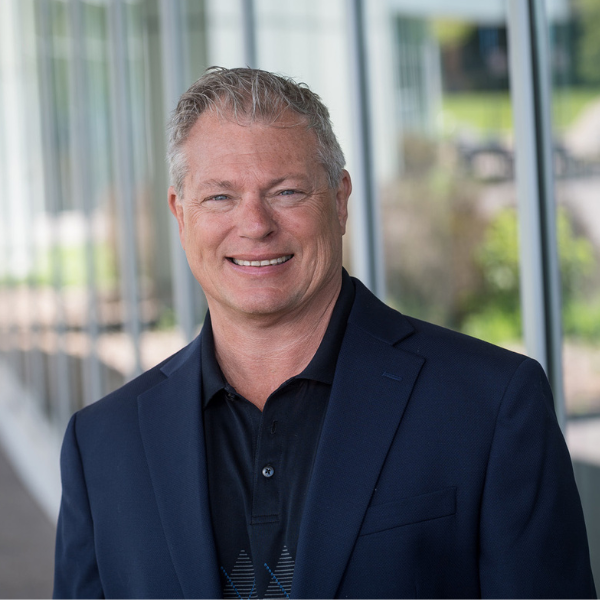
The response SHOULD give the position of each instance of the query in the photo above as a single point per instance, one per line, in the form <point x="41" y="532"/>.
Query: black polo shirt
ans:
<point x="260" y="463"/>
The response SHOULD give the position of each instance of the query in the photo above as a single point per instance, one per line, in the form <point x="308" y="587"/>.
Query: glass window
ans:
<point x="444" y="158"/>
<point x="575" y="52"/>
<point x="224" y="34"/>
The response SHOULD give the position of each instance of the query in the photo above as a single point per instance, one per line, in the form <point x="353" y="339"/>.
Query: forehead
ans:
<point x="216" y="136"/>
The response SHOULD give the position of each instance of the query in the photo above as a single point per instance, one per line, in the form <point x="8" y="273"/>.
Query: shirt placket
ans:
<point x="267" y="470"/>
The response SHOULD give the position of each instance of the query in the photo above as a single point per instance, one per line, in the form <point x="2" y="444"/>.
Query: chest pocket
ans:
<point x="405" y="511"/>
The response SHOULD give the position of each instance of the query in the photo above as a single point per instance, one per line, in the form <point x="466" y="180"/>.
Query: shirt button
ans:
<point x="268" y="471"/>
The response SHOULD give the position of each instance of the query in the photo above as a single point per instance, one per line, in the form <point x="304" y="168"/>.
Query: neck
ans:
<point x="257" y="356"/>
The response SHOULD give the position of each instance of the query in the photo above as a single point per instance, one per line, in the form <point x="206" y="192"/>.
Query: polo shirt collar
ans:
<point x="322" y="365"/>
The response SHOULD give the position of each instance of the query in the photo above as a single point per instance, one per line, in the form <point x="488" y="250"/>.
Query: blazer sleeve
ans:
<point x="76" y="571"/>
<point x="533" y="541"/>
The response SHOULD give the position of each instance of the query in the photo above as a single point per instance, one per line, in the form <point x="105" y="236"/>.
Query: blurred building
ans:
<point x="471" y="130"/>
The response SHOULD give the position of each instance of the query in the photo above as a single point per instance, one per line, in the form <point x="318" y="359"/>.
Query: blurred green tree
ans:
<point x="588" y="46"/>
<point x="494" y="310"/>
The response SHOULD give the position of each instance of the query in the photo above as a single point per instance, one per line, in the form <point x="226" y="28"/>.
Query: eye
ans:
<point x="288" y="192"/>
<point x="218" y="197"/>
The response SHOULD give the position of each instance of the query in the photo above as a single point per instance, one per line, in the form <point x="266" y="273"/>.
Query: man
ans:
<point x="312" y="442"/>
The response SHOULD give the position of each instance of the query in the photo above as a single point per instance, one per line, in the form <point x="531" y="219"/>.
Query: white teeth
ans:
<point x="261" y="263"/>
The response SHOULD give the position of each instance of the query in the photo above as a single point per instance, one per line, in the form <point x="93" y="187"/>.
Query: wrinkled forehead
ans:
<point x="223" y="147"/>
<point x="293" y="127"/>
<point x="246" y="113"/>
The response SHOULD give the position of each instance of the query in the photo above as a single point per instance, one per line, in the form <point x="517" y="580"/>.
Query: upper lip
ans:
<point x="260" y="257"/>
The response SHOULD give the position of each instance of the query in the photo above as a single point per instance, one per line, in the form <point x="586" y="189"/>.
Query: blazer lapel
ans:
<point x="171" y="427"/>
<point x="371" y="389"/>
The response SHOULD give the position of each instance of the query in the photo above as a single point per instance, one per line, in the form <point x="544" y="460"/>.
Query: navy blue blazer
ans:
<point x="440" y="472"/>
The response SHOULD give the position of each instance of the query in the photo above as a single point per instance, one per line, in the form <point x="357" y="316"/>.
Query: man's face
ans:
<point x="261" y="228"/>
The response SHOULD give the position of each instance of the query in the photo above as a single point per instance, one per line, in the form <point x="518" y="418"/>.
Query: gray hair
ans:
<point x="252" y="95"/>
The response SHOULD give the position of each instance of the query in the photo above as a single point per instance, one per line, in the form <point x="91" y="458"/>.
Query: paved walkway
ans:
<point x="26" y="540"/>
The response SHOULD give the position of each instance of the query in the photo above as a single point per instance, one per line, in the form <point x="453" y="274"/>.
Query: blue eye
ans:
<point x="288" y="192"/>
<point x="219" y="197"/>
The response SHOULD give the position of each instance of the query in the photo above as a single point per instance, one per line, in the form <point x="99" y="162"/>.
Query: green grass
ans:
<point x="490" y="113"/>
<point x="483" y="112"/>
<point x="569" y="104"/>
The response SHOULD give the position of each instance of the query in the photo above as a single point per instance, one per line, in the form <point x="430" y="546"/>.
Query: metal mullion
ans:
<point x="249" y="30"/>
<point x="122" y="139"/>
<point x="35" y="352"/>
<point x="59" y="378"/>
<point x="5" y="339"/>
<point x="82" y="198"/>
<point x="175" y="72"/>
<point x="13" y="149"/>
<point x="367" y="245"/>
<point x="539" y="271"/>
<point x="7" y="344"/>
<point x="550" y="256"/>
<point x="23" y="328"/>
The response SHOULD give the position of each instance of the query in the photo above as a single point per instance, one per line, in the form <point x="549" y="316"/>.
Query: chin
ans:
<point x="263" y="304"/>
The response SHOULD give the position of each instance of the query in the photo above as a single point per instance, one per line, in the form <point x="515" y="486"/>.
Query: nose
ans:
<point x="255" y="218"/>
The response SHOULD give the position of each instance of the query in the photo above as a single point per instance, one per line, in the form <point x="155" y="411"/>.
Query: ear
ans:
<point x="341" y="199"/>
<point x="176" y="207"/>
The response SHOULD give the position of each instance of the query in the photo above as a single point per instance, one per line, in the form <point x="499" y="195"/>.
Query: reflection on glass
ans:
<point x="448" y="205"/>
<point x="575" y="48"/>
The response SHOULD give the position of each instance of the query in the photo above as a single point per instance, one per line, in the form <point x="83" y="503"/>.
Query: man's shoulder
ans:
<point x="449" y="351"/>
<point x="123" y="400"/>
<point x="437" y="338"/>
<point x="435" y="343"/>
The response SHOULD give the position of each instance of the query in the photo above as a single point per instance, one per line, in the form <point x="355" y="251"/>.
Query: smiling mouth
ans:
<point x="261" y="263"/>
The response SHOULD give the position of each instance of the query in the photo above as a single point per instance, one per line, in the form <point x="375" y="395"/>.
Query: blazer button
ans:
<point x="268" y="471"/>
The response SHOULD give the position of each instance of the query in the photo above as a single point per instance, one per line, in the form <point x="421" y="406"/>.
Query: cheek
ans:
<point x="200" y="234"/>
<point x="195" y="246"/>
<point x="326" y="240"/>
<point x="190" y="239"/>
<point x="313" y="223"/>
